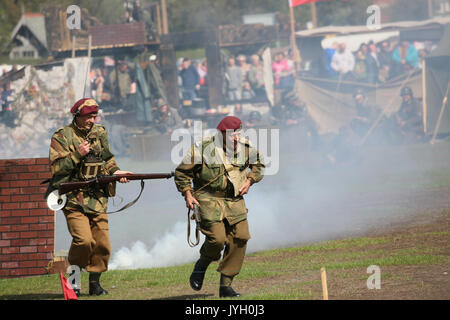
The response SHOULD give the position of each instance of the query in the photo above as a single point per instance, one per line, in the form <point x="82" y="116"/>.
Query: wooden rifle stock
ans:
<point x="66" y="187"/>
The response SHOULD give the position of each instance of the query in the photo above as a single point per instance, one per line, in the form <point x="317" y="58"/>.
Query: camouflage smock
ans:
<point x="219" y="199"/>
<point x="66" y="161"/>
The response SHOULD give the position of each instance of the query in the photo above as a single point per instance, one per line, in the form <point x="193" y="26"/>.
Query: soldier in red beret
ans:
<point x="80" y="151"/>
<point x="229" y="166"/>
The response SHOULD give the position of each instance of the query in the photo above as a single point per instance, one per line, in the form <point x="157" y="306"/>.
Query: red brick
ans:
<point x="36" y="227"/>
<point x="27" y="264"/>
<point x="28" y="205"/>
<point x="9" y="191"/>
<point x="44" y="175"/>
<point x="5" y="198"/>
<point x="10" y="235"/>
<point x="5" y="243"/>
<point x="5" y="228"/>
<point x="4" y="273"/>
<point x="47" y="219"/>
<point x="28" y="176"/>
<point x="42" y="263"/>
<point x="36" y="183"/>
<point x="38" y="168"/>
<point x="6" y="257"/>
<point x="4" y="184"/>
<point x="37" y="197"/>
<point x="19" y="272"/>
<point x="29" y="234"/>
<point x="10" y="220"/>
<point x="38" y="242"/>
<point x="19" y="183"/>
<point x="42" y="161"/>
<point x="50" y="241"/>
<point x="20" y="242"/>
<point x="6" y="265"/>
<point x="29" y="220"/>
<point x="24" y="161"/>
<point x="39" y="212"/>
<point x="45" y="234"/>
<point x="34" y="189"/>
<point x="5" y="213"/>
<point x="20" y="227"/>
<point x="20" y="213"/>
<point x="36" y="271"/>
<point x="10" y="250"/>
<point x="10" y="176"/>
<point x="20" y="198"/>
<point x="44" y="248"/>
<point x="9" y="206"/>
<point x="29" y="249"/>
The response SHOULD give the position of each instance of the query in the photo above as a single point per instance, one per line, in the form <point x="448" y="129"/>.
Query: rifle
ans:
<point x="66" y="187"/>
<point x="57" y="199"/>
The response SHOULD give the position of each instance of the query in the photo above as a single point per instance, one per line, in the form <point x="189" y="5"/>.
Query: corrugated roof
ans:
<point x="35" y="22"/>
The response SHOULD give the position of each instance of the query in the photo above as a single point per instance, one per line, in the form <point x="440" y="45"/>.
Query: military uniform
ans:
<point x="85" y="209"/>
<point x="217" y="178"/>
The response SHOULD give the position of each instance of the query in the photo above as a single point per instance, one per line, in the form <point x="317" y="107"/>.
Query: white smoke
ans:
<point x="168" y="251"/>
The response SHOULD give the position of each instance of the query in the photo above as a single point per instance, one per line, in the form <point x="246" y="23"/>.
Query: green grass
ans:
<point x="288" y="273"/>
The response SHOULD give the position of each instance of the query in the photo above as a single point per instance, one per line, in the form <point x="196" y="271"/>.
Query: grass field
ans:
<point x="414" y="259"/>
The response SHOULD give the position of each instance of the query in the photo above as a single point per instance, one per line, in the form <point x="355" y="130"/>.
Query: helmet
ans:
<point x="406" y="91"/>
<point x="358" y="92"/>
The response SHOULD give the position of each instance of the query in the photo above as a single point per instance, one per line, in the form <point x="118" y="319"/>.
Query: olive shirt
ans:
<point x="66" y="162"/>
<point x="216" y="181"/>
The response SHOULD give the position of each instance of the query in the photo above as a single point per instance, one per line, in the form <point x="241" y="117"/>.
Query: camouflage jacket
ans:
<point x="66" y="163"/>
<point x="217" y="178"/>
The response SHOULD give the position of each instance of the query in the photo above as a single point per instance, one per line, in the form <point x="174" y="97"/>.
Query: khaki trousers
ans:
<point x="90" y="248"/>
<point x="233" y="239"/>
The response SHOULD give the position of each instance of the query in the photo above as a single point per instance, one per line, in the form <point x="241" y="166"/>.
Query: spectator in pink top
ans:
<point x="282" y="72"/>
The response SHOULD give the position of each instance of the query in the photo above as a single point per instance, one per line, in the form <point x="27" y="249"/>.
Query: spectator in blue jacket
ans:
<point x="190" y="79"/>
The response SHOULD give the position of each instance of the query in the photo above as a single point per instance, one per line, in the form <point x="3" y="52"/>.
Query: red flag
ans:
<point x="69" y="294"/>
<point x="295" y="3"/>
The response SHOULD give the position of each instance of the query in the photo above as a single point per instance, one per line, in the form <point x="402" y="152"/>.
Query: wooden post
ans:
<point x="295" y="51"/>
<point x="441" y="113"/>
<point x="73" y="46"/>
<point x="158" y="18"/>
<point x="164" y="17"/>
<point x="214" y="72"/>
<point x="424" y="96"/>
<point x="314" y="14"/>
<point x="169" y="71"/>
<point x="430" y="9"/>
<point x="323" y="275"/>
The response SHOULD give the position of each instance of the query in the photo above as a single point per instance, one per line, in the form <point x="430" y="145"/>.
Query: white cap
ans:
<point x="152" y="57"/>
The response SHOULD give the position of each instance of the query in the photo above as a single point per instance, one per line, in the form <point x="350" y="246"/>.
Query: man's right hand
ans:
<point x="83" y="148"/>
<point x="190" y="200"/>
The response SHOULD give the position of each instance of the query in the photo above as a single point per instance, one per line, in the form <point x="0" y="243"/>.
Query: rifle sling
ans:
<point x="197" y="230"/>
<point x="129" y="204"/>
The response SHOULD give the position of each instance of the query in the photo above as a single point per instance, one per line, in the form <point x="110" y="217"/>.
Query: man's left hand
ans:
<point x="245" y="186"/>
<point x="123" y="180"/>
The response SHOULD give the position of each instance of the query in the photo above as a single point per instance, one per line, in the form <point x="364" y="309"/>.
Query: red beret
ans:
<point x="229" y="123"/>
<point x="85" y="106"/>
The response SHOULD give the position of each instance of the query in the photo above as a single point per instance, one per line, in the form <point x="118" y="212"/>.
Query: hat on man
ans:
<point x="84" y="106"/>
<point x="229" y="123"/>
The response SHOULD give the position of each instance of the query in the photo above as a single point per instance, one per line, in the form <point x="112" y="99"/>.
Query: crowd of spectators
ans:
<point x="374" y="63"/>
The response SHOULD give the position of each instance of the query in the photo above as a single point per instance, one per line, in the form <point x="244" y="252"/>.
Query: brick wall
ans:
<point x="26" y="224"/>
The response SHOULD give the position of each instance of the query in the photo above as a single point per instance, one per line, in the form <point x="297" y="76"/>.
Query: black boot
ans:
<point x="228" y="292"/>
<point x="197" y="276"/>
<point x="94" y="284"/>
